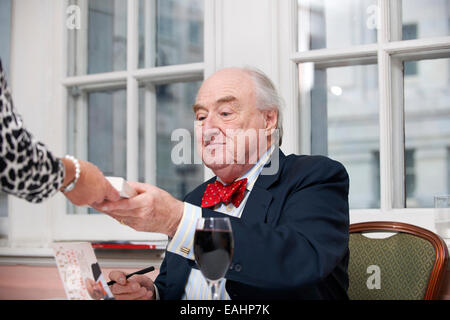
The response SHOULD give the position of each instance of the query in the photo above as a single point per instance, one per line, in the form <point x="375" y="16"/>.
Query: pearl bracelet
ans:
<point x="71" y="185"/>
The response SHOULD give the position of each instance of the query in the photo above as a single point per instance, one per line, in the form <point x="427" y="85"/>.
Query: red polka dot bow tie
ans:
<point x="216" y="192"/>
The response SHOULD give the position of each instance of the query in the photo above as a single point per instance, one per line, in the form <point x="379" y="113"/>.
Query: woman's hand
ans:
<point x="91" y="188"/>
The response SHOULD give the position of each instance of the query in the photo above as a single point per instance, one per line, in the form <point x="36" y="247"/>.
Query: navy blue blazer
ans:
<point x="291" y="241"/>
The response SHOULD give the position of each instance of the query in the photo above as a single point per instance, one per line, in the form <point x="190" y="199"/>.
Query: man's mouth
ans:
<point x="213" y="144"/>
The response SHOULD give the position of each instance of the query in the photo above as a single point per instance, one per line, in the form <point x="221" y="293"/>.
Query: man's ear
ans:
<point x="270" y="120"/>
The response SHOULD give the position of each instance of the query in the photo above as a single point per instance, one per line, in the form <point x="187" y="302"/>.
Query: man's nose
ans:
<point x="210" y="128"/>
<point x="210" y="122"/>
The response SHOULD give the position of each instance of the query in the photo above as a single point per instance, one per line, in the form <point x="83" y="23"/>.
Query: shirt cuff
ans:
<point x="157" y="297"/>
<point x="182" y="242"/>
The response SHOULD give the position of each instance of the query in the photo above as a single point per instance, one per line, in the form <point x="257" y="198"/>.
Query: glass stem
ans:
<point x="214" y="290"/>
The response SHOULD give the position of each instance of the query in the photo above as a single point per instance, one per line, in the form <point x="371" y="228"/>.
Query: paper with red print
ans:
<point x="77" y="263"/>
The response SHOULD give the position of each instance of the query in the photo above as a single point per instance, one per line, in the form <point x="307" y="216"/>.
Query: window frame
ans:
<point x="86" y="227"/>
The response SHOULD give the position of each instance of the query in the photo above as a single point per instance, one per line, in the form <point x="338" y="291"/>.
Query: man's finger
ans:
<point x="132" y="287"/>
<point x="118" y="276"/>
<point x="139" y="295"/>
<point x="118" y="205"/>
<point x="139" y="187"/>
<point x="145" y="281"/>
<point x="111" y="193"/>
<point x="122" y="214"/>
<point x="128" y="221"/>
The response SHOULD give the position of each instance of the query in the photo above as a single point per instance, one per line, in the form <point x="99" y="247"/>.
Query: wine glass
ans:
<point x="213" y="250"/>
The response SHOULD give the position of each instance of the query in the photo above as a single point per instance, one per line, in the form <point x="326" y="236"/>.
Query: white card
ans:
<point x="77" y="263"/>
<point x="124" y="189"/>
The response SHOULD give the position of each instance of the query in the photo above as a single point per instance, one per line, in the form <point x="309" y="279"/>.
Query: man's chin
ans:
<point x="215" y="164"/>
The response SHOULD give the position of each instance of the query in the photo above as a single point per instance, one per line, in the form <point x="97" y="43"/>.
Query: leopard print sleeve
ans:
<point x="28" y="169"/>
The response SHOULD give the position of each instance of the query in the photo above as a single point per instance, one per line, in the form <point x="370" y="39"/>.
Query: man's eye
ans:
<point x="225" y="114"/>
<point x="201" y="118"/>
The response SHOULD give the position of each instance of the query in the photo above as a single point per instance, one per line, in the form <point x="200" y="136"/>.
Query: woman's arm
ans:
<point x="30" y="171"/>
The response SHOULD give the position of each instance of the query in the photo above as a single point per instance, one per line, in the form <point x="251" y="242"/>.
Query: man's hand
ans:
<point x="92" y="187"/>
<point x="95" y="289"/>
<point x="152" y="210"/>
<point x="137" y="287"/>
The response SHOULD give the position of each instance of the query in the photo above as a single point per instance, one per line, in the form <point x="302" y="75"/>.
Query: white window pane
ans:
<point x="97" y="123"/>
<point x="345" y="124"/>
<point x="170" y="32"/>
<point x="173" y="112"/>
<point x="425" y="18"/>
<point x="336" y="24"/>
<point x="427" y="131"/>
<point x="100" y="44"/>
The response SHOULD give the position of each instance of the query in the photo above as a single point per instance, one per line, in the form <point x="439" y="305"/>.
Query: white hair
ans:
<point x="267" y="97"/>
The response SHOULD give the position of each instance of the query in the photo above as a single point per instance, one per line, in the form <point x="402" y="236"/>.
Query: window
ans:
<point x="409" y="32"/>
<point x="177" y="23"/>
<point x="97" y="131"/>
<point x="5" y="33"/>
<point x="172" y="113"/>
<point x="410" y="177"/>
<point x="335" y="24"/>
<point x="100" y="45"/>
<point x="344" y="111"/>
<point x="373" y="94"/>
<point x="133" y="73"/>
<point x="430" y="16"/>
<point x="427" y="129"/>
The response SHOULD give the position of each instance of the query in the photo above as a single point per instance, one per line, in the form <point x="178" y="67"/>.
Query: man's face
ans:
<point x="227" y="120"/>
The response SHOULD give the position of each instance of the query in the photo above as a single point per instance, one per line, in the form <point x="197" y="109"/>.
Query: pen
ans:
<point x="143" y="271"/>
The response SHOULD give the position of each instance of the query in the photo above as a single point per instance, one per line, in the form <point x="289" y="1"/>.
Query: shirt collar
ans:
<point x="253" y="174"/>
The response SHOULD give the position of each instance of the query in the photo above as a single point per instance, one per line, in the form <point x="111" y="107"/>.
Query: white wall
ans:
<point x="34" y="70"/>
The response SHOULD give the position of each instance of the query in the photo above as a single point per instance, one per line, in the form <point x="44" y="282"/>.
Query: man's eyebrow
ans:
<point x="225" y="99"/>
<point x="196" y="107"/>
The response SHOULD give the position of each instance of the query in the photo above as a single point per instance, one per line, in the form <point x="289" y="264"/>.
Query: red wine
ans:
<point x="213" y="251"/>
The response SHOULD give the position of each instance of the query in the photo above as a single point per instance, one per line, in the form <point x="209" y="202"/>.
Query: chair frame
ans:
<point x="440" y="264"/>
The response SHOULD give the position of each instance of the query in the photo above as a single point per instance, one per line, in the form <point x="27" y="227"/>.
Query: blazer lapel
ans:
<point x="258" y="202"/>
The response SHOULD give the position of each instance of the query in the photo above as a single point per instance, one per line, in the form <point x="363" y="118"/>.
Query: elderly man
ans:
<point x="290" y="227"/>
